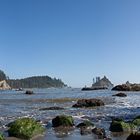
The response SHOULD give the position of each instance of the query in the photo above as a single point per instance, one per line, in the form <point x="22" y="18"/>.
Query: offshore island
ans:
<point x="103" y="83"/>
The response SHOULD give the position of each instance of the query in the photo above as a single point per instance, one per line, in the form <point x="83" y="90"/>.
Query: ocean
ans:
<point x="16" y="104"/>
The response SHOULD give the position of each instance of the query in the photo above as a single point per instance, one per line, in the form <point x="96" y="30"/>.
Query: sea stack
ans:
<point x="103" y="83"/>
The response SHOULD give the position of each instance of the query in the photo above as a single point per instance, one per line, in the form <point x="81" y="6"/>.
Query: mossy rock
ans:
<point x="85" y="123"/>
<point x="25" y="128"/>
<point x="1" y="137"/>
<point x="136" y="121"/>
<point x="120" y="126"/>
<point x="63" y="120"/>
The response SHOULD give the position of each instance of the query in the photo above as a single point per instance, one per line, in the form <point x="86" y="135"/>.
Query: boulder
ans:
<point x="134" y="136"/>
<point x="25" y="128"/>
<point x="52" y="108"/>
<point x="29" y="92"/>
<point x="63" y="120"/>
<point x="119" y="125"/>
<point x="88" y="103"/>
<point x="100" y="132"/>
<point x="120" y="94"/>
<point x="136" y="121"/>
<point x="85" y="124"/>
<point x="85" y="127"/>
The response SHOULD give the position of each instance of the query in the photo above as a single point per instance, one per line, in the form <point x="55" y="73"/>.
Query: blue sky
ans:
<point x="74" y="40"/>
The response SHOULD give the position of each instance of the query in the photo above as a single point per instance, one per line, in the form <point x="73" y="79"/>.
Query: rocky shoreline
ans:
<point x="29" y="128"/>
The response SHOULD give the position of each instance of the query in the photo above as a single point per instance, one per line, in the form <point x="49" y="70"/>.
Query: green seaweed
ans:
<point x="25" y="128"/>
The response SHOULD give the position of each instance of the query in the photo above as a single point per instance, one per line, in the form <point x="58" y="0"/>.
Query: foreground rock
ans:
<point x="85" y="127"/>
<point x="63" y="120"/>
<point x="120" y="95"/>
<point x="52" y="108"/>
<point x="88" y="103"/>
<point x="25" y="128"/>
<point x="100" y="133"/>
<point x="135" y="136"/>
<point x="127" y="87"/>
<point x="86" y="124"/>
<point x="119" y="125"/>
<point x="29" y="92"/>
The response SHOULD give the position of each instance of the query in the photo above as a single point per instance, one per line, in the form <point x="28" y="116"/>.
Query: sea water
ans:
<point x="16" y="104"/>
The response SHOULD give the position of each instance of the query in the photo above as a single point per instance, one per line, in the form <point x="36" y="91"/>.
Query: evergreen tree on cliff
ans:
<point x="2" y="75"/>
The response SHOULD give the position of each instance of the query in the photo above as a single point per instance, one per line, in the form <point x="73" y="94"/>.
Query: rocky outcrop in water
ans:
<point x="88" y="103"/>
<point x="52" y="108"/>
<point x="4" y="85"/>
<point x="120" y="94"/>
<point x="29" y="92"/>
<point x="127" y="87"/>
<point x="63" y="120"/>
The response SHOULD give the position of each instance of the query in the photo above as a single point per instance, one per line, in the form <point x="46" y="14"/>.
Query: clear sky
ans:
<point x="74" y="40"/>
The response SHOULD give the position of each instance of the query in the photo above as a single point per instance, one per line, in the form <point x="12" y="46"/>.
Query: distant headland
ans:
<point x="29" y="82"/>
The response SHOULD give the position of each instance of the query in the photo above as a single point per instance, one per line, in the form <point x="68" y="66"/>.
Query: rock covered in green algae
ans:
<point x="1" y="137"/>
<point x="25" y="128"/>
<point x="63" y="120"/>
<point x="119" y="125"/>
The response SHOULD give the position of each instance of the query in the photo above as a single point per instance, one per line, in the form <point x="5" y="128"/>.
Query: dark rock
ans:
<point x="85" y="123"/>
<point x="118" y="125"/>
<point x="93" y="88"/>
<point x="99" y="132"/>
<point x="85" y="127"/>
<point x="88" y="103"/>
<point x="25" y="128"/>
<point x="85" y="131"/>
<point x="136" y="121"/>
<point x="61" y="132"/>
<point x="127" y="87"/>
<point x="135" y="136"/>
<point x="63" y="120"/>
<point x="29" y="92"/>
<point x="120" y="95"/>
<point x="52" y="108"/>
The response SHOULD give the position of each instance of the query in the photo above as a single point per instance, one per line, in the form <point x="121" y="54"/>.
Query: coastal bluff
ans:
<point x="29" y="82"/>
<point x="4" y="85"/>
